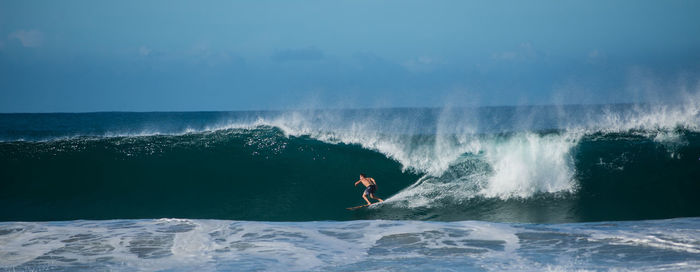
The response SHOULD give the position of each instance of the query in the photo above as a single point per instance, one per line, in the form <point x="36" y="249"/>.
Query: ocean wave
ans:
<point x="425" y="159"/>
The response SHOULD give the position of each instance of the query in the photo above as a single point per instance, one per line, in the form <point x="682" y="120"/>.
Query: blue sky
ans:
<point x="245" y="55"/>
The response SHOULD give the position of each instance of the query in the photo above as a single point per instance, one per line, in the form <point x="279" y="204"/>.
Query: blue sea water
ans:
<point x="535" y="188"/>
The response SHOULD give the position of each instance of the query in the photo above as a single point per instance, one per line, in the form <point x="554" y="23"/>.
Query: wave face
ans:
<point x="220" y="245"/>
<point x="514" y="164"/>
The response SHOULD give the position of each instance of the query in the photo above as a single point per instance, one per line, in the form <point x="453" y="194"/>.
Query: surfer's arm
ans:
<point x="357" y="182"/>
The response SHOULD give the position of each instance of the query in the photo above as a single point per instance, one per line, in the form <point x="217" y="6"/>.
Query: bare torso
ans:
<point x="367" y="182"/>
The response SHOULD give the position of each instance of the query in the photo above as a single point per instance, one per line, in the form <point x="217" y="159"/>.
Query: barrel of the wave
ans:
<point x="241" y="174"/>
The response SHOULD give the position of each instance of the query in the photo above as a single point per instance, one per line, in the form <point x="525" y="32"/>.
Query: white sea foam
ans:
<point x="213" y="245"/>
<point x="529" y="164"/>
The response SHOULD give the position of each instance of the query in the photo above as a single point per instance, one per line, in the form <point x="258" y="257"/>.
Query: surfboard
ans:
<point x="357" y="207"/>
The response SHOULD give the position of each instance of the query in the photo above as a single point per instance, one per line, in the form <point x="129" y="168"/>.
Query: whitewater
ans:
<point x="527" y="188"/>
<point x="210" y="245"/>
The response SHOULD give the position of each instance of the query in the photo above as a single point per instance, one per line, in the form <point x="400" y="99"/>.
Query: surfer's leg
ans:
<point x="380" y="200"/>
<point x="365" y="197"/>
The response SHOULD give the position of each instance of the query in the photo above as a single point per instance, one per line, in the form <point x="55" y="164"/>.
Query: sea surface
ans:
<point x="527" y="188"/>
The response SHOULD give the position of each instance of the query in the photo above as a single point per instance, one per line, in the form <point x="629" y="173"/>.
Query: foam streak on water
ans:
<point x="208" y="245"/>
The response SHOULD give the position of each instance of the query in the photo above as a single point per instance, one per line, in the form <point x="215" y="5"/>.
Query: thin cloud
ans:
<point x="303" y="54"/>
<point x="525" y="51"/>
<point x="145" y="51"/>
<point x="30" y="38"/>
<point x="595" y="56"/>
<point x="508" y="55"/>
<point x="202" y="52"/>
<point x="422" y="64"/>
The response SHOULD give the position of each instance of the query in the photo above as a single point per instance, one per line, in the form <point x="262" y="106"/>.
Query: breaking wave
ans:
<point x="532" y="164"/>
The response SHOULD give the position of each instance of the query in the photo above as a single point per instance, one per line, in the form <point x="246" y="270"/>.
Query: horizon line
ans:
<point x="329" y="109"/>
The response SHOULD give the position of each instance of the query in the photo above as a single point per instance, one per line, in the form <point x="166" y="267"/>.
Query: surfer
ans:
<point x="371" y="188"/>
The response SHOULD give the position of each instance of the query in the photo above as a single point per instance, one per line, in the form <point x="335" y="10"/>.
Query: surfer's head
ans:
<point x="362" y="175"/>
